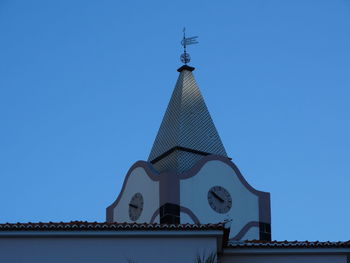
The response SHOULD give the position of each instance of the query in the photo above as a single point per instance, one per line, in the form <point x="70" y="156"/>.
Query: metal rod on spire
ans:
<point x="183" y="40"/>
<point x="185" y="57"/>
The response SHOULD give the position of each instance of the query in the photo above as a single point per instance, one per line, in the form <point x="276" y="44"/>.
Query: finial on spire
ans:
<point x="185" y="57"/>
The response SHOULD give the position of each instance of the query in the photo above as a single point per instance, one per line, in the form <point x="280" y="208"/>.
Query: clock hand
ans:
<point x="134" y="206"/>
<point x="217" y="197"/>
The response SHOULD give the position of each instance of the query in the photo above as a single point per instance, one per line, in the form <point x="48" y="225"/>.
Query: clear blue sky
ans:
<point x="84" y="85"/>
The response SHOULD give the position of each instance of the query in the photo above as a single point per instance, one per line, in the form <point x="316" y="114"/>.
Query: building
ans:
<point x="188" y="177"/>
<point x="188" y="200"/>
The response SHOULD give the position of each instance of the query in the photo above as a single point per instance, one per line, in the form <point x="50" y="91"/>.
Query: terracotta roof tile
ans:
<point x="101" y="226"/>
<point x="288" y="244"/>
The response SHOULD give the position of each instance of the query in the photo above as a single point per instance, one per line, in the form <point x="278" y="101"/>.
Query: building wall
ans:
<point x="103" y="249"/>
<point x="138" y="182"/>
<point x="245" y="205"/>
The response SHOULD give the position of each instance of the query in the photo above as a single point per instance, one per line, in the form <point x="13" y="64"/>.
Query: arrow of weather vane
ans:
<point x="186" y="41"/>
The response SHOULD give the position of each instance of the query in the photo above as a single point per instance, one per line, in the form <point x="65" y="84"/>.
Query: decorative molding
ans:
<point x="190" y="214"/>
<point x="179" y="148"/>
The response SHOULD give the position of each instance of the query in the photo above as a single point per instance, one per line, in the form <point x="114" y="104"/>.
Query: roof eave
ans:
<point x="285" y="251"/>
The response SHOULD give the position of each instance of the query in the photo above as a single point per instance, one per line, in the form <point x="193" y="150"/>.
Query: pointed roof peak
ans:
<point x="187" y="132"/>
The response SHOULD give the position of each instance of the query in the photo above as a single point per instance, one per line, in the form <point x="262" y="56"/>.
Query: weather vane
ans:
<point x="185" y="57"/>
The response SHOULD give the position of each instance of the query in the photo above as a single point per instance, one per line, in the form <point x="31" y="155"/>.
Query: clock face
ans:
<point x="135" y="206"/>
<point x="219" y="199"/>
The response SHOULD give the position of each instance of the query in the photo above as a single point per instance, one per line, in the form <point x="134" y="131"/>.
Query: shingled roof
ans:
<point x="104" y="226"/>
<point x="289" y="244"/>
<point x="187" y="132"/>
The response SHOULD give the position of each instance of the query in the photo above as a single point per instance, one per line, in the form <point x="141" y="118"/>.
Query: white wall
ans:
<point x="194" y="192"/>
<point x="103" y="249"/>
<point x="251" y="234"/>
<point x="185" y="219"/>
<point x="138" y="182"/>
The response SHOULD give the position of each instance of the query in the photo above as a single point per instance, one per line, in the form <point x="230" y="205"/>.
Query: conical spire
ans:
<point x="187" y="132"/>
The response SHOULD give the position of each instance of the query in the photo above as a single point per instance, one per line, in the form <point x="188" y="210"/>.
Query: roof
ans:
<point x="104" y="226"/>
<point x="288" y="244"/>
<point x="187" y="131"/>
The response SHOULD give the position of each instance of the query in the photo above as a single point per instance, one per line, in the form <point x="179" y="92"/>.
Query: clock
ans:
<point x="219" y="199"/>
<point x="135" y="206"/>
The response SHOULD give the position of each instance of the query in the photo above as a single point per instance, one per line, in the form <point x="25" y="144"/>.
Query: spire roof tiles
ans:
<point x="187" y="131"/>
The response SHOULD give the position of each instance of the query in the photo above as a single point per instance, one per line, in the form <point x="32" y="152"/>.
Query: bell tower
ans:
<point x="188" y="177"/>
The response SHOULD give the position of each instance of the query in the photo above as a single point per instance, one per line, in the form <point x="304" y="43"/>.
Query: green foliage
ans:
<point x="203" y="259"/>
